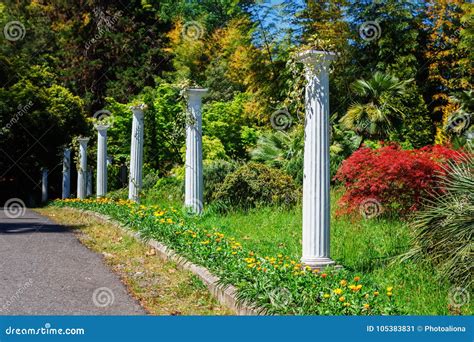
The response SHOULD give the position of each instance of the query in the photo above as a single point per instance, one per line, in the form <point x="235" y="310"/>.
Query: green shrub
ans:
<point x="254" y="184"/>
<point x="214" y="175"/>
<point x="444" y="228"/>
<point x="282" y="150"/>
<point x="150" y="177"/>
<point x="171" y="188"/>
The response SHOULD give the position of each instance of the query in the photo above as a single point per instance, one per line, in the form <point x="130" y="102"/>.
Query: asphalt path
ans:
<point x="45" y="270"/>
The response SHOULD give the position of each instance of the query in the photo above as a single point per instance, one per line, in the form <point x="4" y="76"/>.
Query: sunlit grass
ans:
<point x="366" y="246"/>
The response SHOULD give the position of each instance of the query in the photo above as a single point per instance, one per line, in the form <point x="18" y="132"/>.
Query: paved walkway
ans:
<point x="44" y="270"/>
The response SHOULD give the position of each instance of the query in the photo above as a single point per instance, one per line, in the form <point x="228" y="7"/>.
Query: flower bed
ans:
<point x="276" y="284"/>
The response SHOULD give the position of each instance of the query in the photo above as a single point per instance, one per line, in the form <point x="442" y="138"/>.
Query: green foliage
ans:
<point x="282" y="150"/>
<point x="164" y="129"/>
<point x="256" y="184"/>
<point x="378" y="109"/>
<point x="37" y="118"/>
<point x="343" y="144"/>
<point x="285" y="150"/>
<point x="213" y="149"/>
<point x="444" y="228"/>
<point x="227" y="122"/>
<point x="214" y="174"/>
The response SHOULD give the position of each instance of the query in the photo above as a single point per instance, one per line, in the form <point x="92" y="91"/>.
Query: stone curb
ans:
<point x="224" y="295"/>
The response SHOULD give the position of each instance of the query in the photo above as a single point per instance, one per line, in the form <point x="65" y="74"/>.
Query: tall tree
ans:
<point x="447" y="57"/>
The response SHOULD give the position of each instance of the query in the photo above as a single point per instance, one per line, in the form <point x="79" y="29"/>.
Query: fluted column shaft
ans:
<point x="136" y="153"/>
<point x="66" y="173"/>
<point x="194" y="184"/>
<point x="316" y="181"/>
<point x="101" y="160"/>
<point x="82" y="171"/>
<point x="89" y="182"/>
<point x="44" y="185"/>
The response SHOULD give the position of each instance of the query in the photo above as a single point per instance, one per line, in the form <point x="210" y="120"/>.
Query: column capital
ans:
<point x="315" y="61"/>
<point x="196" y="92"/>
<point x="83" y="140"/>
<point x="101" y="127"/>
<point x="315" y="57"/>
<point x="138" y="109"/>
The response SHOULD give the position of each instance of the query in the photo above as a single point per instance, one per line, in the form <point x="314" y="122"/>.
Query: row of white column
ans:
<point x="84" y="178"/>
<point x="316" y="195"/>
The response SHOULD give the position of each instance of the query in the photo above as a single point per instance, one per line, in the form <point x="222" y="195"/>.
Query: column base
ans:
<point x="319" y="263"/>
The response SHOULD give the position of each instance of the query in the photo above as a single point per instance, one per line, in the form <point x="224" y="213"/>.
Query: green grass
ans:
<point x="366" y="246"/>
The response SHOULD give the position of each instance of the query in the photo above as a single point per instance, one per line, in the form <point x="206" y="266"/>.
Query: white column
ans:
<point x="316" y="196"/>
<point x="66" y="173"/>
<point x="193" y="197"/>
<point x="136" y="153"/>
<point x="101" y="160"/>
<point x="89" y="182"/>
<point x="82" y="171"/>
<point x="44" y="185"/>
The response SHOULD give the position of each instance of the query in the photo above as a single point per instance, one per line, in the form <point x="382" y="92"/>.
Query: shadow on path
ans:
<point x="54" y="274"/>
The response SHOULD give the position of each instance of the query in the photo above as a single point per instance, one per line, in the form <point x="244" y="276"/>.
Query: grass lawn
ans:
<point x="365" y="246"/>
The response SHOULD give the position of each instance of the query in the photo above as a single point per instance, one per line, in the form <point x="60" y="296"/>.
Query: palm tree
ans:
<point x="379" y="108"/>
<point x="282" y="150"/>
<point x="444" y="228"/>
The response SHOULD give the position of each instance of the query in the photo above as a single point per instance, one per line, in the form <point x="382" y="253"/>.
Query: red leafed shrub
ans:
<point x="389" y="179"/>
